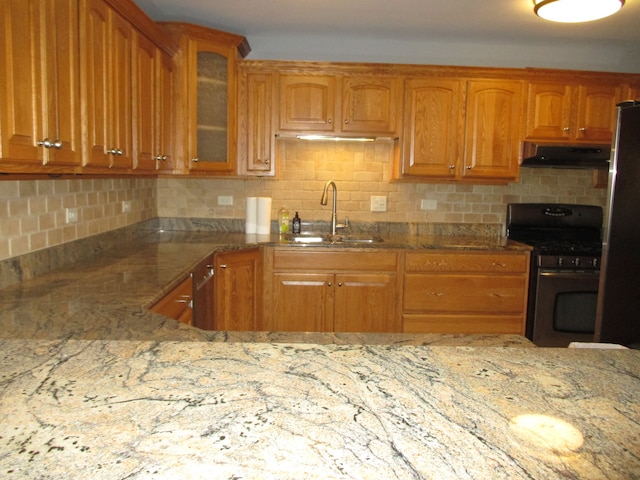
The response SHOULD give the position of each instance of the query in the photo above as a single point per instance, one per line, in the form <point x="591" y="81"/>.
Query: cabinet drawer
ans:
<point x="335" y="261"/>
<point x="177" y="303"/>
<point x="476" y="262"/>
<point x="467" y="324"/>
<point x="464" y="293"/>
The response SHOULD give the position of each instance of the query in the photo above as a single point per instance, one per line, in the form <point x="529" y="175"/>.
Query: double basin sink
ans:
<point x="327" y="238"/>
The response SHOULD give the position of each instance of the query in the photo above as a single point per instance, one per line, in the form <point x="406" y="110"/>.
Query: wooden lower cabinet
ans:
<point x="238" y="290"/>
<point x="470" y="292"/>
<point x="334" y="291"/>
<point x="177" y="304"/>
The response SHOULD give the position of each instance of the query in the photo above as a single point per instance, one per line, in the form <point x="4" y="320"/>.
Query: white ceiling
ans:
<point x="456" y="32"/>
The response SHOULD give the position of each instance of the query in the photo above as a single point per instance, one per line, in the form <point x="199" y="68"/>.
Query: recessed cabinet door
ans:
<point x="433" y="128"/>
<point x="106" y="54"/>
<point x="597" y="114"/>
<point x="549" y="110"/>
<point x="366" y="303"/>
<point x="307" y="103"/>
<point x="40" y="114"/>
<point x="303" y="302"/>
<point x="493" y="135"/>
<point x="256" y="145"/>
<point x="145" y="103"/>
<point x="165" y="114"/>
<point x="371" y="105"/>
<point x="238" y="290"/>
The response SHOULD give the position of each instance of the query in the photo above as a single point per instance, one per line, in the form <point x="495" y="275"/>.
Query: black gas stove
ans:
<point x="566" y="236"/>
<point x="565" y="268"/>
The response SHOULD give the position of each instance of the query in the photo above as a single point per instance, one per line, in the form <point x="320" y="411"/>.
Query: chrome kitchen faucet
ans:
<point x="334" y="216"/>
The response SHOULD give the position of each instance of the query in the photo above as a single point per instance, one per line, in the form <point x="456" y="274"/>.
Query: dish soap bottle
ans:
<point x="296" y="224"/>
<point x="283" y="220"/>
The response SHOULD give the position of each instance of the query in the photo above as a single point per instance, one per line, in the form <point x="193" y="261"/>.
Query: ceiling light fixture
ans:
<point x="575" y="11"/>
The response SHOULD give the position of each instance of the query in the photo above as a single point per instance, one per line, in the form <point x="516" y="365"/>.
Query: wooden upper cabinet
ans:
<point x="371" y="105"/>
<point x="153" y="107"/>
<point x="339" y="104"/>
<point x="433" y="127"/>
<point x="567" y="112"/>
<point x="307" y="103"/>
<point x="39" y="86"/>
<point x="457" y="129"/>
<point x="256" y="137"/>
<point x="146" y="103"/>
<point x="106" y="63"/>
<point x="492" y="138"/>
<point x="207" y="97"/>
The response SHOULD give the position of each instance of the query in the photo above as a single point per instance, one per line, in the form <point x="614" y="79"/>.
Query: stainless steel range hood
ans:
<point x="565" y="156"/>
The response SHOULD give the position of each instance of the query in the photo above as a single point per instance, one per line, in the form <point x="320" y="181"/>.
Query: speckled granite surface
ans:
<point x="168" y="410"/>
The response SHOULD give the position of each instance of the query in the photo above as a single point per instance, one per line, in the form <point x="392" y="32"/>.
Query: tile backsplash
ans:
<point x="32" y="212"/>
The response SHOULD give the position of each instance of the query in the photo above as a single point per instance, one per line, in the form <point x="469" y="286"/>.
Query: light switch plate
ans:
<point x="378" y="203"/>
<point x="126" y="206"/>
<point x="225" y="200"/>
<point x="71" y="215"/>
<point x="428" y="204"/>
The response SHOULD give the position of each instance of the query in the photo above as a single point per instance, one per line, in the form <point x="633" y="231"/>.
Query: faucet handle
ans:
<point x="346" y="223"/>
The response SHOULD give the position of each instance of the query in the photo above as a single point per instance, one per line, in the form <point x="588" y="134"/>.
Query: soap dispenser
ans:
<point x="283" y="220"/>
<point x="296" y="224"/>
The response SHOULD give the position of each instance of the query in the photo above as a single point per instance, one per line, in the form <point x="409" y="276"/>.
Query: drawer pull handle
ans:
<point x="499" y="264"/>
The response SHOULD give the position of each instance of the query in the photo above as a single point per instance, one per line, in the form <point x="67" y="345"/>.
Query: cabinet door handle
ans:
<point x="195" y="160"/>
<point x="582" y="130"/>
<point x="57" y="144"/>
<point x="329" y="121"/>
<point x="566" y="129"/>
<point x="224" y="265"/>
<point x="46" y="143"/>
<point x="346" y="121"/>
<point x="339" y="284"/>
<point x="329" y="284"/>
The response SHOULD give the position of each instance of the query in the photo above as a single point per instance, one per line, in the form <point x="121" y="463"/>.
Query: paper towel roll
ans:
<point x="263" y="220"/>
<point x="251" y="219"/>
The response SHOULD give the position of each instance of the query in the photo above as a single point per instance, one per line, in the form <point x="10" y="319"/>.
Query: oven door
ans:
<point x="565" y="307"/>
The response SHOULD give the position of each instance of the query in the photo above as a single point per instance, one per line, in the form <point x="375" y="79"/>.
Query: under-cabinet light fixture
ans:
<point x="576" y="11"/>
<point x="336" y="139"/>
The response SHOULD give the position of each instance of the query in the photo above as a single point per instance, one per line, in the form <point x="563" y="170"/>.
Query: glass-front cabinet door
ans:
<point x="209" y="141"/>
<point x="206" y="97"/>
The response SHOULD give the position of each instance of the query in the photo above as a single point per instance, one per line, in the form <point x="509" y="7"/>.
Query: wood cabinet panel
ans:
<point x="177" y="304"/>
<point x="493" y="134"/>
<point x="570" y="112"/>
<point x="307" y="102"/>
<point x="256" y="135"/>
<point x="342" y="291"/>
<point x="302" y="302"/>
<point x="452" y="293"/>
<point x="469" y="262"/>
<point x="462" y="324"/>
<point x="433" y="127"/>
<point x="465" y="292"/>
<point x="366" y="303"/>
<point x="39" y="86"/>
<point x="238" y="290"/>
<point x="106" y="56"/>
<point x="371" y="105"/>
<point x="462" y="130"/>
<point x="146" y="119"/>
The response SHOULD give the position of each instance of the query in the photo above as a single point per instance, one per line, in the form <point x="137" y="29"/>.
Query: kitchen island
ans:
<point x="159" y="410"/>
<point x="95" y="385"/>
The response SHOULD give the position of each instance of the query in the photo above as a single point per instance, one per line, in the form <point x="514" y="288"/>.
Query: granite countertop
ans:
<point x="161" y="410"/>
<point x="108" y="297"/>
<point x="95" y="383"/>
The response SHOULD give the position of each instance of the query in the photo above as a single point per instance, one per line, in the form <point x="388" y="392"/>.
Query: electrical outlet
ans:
<point x="378" y="204"/>
<point x="225" y="200"/>
<point x="71" y="215"/>
<point x="428" y="204"/>
<point x="126" y="206"/>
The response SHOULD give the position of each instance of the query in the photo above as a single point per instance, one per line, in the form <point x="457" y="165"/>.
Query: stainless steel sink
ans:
<point x="320" y="238"/>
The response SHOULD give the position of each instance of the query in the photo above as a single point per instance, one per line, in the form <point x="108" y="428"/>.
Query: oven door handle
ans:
<point x="569" y="273"/>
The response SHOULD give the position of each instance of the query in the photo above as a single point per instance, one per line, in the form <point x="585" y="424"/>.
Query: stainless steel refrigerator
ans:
<point x="618" y="308"/>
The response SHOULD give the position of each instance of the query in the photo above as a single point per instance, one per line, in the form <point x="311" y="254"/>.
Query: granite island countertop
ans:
<point x="166" y="410"/>
<point x="94" y="385"/>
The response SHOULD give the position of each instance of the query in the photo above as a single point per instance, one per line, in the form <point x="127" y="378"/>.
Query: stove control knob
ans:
<point x="560" y="261"/>
<point x="577" y="262"/>
<point x="595" y="263"/>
